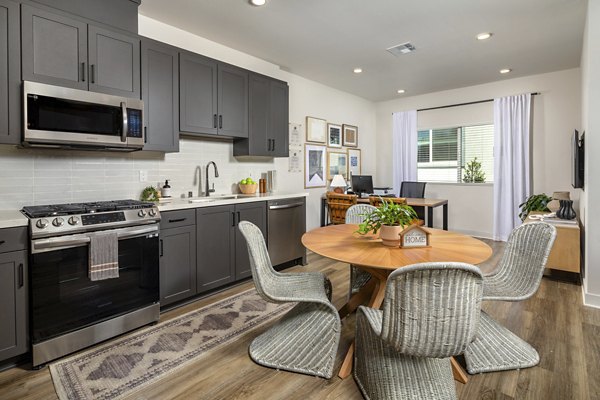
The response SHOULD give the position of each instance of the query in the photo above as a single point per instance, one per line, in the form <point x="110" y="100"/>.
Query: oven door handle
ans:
<point x="65" y="242"/>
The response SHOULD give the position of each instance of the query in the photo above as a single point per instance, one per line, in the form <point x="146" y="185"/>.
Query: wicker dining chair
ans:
<point x="356" y="214"/>
<point x="430" y="312"/>
<point x="306" y="339"/>
<point x="517" y="277"/>
<point x="338" y="204"/>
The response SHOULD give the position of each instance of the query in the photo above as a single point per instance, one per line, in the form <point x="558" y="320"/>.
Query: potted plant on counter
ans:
<point x="391" y="219"/>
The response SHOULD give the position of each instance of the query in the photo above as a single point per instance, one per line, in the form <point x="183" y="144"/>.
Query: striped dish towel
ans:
<point x="104" y="256"/>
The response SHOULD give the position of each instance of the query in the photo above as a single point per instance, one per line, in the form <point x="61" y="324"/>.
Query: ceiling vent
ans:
<point x="400" y="49"/>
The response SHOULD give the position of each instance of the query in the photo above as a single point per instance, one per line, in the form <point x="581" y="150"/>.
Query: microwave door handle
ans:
<point x="125" y="122"/>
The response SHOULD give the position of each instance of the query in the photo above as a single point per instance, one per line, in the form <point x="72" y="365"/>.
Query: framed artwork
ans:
<point x="314" y="166"/>
<point x="337" y="164"/>
<point x="354" y="162"/>
<point x="350" y="135"/>
<point x="316" y="130"/>
<point x="334" y="135"/>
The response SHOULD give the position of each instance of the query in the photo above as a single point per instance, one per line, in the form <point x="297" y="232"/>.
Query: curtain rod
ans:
<point x="464" y="104"/>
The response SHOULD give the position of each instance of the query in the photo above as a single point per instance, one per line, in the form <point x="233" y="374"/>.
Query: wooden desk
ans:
<point x="429" y="204"/>
<point x="339" y="242"/>
<point x="566" y="251"/>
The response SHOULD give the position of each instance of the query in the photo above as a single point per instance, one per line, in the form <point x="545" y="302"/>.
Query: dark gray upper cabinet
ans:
<point x="215" y="235"/>
<point x="177" y="263"/>
<point x="10" y="77"/>
<point x="13" y="304"/>
<point x="213" y="97"/>
<point x="160" y="92"/>
<point x="114" y="63"/>
<point x="268" y="119"/>
<point x="68" y="52"/>
<point x="257" y="214"/>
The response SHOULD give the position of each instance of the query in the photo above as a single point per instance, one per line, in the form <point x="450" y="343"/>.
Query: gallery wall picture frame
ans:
<point x="354" y="162"/>
<point x="350" y="135"/>
<point x="337" y="164"/>
<point x="316" y="130"/>
<point x="334" y="135"/>
<point x="314" y="166"/>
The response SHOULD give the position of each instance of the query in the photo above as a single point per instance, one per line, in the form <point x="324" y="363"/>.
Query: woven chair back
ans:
<point x="263" y="274"/>
<point x="432" y="309"/>
<point x="525" y="256"/>
<point x="338" y="204"/>
<point x="357" y="213"/>
<point x="375" y="201"/>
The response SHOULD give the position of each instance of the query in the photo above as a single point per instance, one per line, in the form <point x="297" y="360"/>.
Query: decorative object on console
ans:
<point x="337" y="164"/>
<point x="334" y="135"/>
<point x="314" y="166"/>
<point x="535" y="202"/>
<point x="316" y="130"/>
<point x="554" y="205"/>
<point x="350" y="137"/>
<point x="566" y="210"/>
<point x="354" y="162"/>
<point x="338" y="184"/>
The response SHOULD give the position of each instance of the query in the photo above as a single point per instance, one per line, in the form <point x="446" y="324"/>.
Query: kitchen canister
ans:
<point x="271" y="181"/>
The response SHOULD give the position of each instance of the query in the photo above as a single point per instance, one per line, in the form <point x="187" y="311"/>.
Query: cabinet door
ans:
<point x="177" y="264"/>
<point x="279" y="119"/>
<point x="54" y="49"/>
<point x="215" y="233"/>
<point x="10" y="73"/>
<point x="160" y="92"/>
<point x="257" y="214"/>
<point x="13" y="304"/>
<point x="259" y="115"/>
<point x="198" y="94"/>
<point x="233" y="101"/>
<point x="114" y="63"/>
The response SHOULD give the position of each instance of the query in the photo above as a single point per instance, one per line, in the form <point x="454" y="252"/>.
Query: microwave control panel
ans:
<point x="134" y="123"/>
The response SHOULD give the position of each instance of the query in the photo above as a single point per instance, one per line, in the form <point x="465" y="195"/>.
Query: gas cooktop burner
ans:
<point x="83" y="208"/>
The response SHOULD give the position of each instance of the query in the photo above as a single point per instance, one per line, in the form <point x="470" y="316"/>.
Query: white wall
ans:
<point x="590" y="66"/>
<point x="47" y="176"/>
<point x="556" y="112"/>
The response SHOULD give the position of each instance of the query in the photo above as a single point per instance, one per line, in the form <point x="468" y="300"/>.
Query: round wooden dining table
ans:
<point x="342" y="243"/>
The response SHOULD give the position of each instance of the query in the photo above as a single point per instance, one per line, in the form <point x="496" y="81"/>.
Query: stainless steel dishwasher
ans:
<point x="287" y="223"/>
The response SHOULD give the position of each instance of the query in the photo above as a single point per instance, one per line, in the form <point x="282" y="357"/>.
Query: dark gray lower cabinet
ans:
<point x="13" y="304"/>
<point x="177" y="264"/>
<point x="257" y="214"/>
<point x="10" y="77"/>
<point x="215" y="234"/>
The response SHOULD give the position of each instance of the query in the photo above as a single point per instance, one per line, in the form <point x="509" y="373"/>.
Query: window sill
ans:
<point x="459" y="184"/>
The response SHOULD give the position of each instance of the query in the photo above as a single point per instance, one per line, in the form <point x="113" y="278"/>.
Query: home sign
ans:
<point x="414" y="236"/>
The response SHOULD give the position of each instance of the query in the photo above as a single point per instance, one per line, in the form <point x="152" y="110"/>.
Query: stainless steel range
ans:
<point x="68" y="310"/>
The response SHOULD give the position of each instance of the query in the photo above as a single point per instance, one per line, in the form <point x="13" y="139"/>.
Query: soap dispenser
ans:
<point x="166" y="189"/>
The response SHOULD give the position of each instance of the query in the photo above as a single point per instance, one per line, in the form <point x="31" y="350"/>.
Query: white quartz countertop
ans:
<point x="12" y="219"/>
<point x="221" y="200"/>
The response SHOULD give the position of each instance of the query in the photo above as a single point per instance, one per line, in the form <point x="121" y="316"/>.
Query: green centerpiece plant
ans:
<point x="391" y="219"/>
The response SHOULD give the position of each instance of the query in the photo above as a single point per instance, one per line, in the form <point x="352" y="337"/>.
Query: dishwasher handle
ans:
<point x="284" y="206"/>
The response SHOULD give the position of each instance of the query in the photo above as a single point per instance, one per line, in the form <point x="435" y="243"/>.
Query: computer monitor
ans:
<point x="362" y="184"/>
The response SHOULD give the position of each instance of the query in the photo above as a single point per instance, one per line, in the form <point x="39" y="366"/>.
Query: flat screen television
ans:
<point x="577" y="166"/>
<point x="362" y="184"/>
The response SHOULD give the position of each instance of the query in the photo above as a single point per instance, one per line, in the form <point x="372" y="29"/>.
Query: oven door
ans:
<point x="63" y="299"/>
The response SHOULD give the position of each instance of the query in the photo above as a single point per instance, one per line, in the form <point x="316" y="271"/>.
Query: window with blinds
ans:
<point x="460" y="154"/>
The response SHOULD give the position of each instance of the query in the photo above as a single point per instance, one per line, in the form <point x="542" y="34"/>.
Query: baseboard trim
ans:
<point x="590" y="299"/>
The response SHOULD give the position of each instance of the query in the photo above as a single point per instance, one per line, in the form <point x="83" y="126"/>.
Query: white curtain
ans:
<point x="511" y="161"/>
<point x="404" y="144"/>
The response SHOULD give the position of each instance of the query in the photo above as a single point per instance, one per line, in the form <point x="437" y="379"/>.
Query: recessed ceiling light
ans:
<point x="484" y="36"/>
<point x="258" y="2"/>
<point x="400" y="91"/>
<point x="505" y="70"/>
<point x="357" y="70"/>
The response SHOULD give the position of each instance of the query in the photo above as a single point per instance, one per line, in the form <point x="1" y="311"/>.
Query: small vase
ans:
<point x="390" y="235"/>
<point x="566" y="210"/>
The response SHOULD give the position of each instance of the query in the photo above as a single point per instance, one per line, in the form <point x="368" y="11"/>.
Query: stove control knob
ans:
<point x="58" y="221"/>
<point x="41" y="223"/>
<point x="73" y="221"/>
<point x="152" y="212"/>
<point x="142" y="213"/>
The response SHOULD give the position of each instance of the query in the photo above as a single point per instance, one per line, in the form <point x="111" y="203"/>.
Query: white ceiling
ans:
<point x="323" y="40"/>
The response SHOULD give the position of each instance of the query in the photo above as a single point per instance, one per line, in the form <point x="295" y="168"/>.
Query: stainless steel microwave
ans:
<point x="61" y="117"/>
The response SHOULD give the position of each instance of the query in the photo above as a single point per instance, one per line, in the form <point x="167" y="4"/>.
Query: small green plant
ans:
<point x="149" y="194"/>
<point x="535" y="202"/>
<point x="389" y="213"/>
<point x="473" y="172"/>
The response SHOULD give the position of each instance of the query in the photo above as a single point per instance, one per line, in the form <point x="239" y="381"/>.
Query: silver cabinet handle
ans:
<point x="125" y="122"/>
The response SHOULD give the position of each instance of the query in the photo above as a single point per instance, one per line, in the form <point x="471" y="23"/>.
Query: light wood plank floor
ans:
<point x="566" y="334"/>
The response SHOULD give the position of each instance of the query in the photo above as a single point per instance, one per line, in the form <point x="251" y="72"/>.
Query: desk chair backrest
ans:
<point x="413" y="189"/>
<point x="338" y="204"/>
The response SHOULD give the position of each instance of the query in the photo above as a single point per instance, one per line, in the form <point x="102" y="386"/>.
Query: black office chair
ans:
<point x="415" y="190"/>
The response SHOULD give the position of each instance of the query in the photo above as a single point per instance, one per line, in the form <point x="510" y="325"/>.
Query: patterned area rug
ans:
<point x="122" y="366"/>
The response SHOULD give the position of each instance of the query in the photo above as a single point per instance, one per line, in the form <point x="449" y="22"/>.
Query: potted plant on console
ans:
<point x="391" y="219"/>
